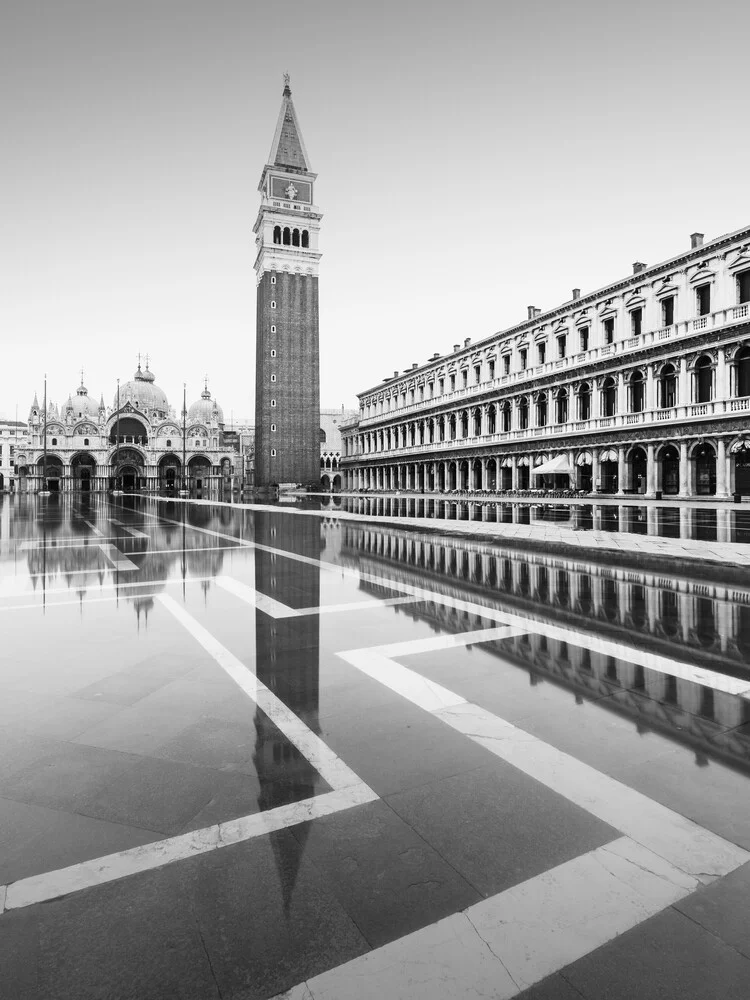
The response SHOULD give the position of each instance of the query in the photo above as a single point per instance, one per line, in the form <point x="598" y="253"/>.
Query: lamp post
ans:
<point x="184" y="491"/>
<point x="117" y="491"/>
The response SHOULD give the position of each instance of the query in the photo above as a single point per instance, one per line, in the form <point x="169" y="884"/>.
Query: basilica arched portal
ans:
<point x="127" y="470"/>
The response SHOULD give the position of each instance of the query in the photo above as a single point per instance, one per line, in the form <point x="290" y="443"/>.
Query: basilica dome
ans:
<point x="143" y="393"/>
<point x="82" y="404"/>
<point x="205" y="410"/>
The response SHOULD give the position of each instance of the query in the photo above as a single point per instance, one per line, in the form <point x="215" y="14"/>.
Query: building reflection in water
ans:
<point x="710" y="524"/>
<point x="707" y="625"/>
<point x="287" y="662"/>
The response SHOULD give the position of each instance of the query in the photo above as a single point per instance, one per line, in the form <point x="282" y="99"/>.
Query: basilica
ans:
<point x="138" y="444"/>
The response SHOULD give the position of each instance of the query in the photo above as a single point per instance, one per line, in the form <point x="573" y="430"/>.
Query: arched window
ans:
<point x="667" y="386"/>
<point x="561" y="407"/>
<point x="541" y="409"/>
<point x="507" y="416"/>
<point x="295" y="238"/>
<point x="637" y="392"/>
<point x="491" y="419"/>
<point x="305" y="239"/>
<point x="477" y="415"/>
<point x="584" y="402"/>
<point x="609" y="397"/>
<point x="277" y="234"/>
<point x="703" y="379"/>
<point x="54" y="440"/>
<point x="169" y="443"/>
<point x="523" y="413"/>
<point x="452" y="426"/>
<point x="743" y="372"/>
<point x="85" y="441"/>
<point x="287" y="236"/>
<point x="464" y="424"/>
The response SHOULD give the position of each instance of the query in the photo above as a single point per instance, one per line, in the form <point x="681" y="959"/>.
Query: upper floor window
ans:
<point x="477" y="374"/>
<point x="273" y="352"/>
<point x="523" y="356"/>
<point x="85" y="440"/>
<point x="667" y="311"/>
<point x="465" y="377"/>
<point x="277" y="234"/>
<point x="743" y="286"/>
<point x="273" y="279"/>
<point x="54" y="440"/>
<point x="453" y="382"/>
<point x="609" y="330"/>
<point x="542" y="353"/>
<point x="273" y="378"/>
<point x="636" y="322"/>
<point x="492" y="369"/>
<point x="431" y="389"/>
<point x="584" y="338"/>
<point x="703" y="299"/>
<point x="169" y="443"/>
<point x="441" y="386"/>
<point x="562" y="341"/>
<point x="506" y="364"/>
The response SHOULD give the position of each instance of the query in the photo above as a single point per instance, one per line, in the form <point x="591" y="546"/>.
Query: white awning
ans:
<point x="584" y="458"/>
<point x="560" y="465"/>
<point x="608" y="456"/>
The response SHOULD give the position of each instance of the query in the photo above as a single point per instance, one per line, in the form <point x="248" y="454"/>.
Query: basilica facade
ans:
<point x="139" y="443"/>
<point x="641" y="387"/>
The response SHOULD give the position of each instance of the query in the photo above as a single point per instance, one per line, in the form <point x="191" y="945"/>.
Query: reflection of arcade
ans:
<point x="287" y="661"/>
<point x="678" y="618"/>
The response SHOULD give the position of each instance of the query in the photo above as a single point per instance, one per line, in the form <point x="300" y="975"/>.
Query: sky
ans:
<point x="473" y="158"/>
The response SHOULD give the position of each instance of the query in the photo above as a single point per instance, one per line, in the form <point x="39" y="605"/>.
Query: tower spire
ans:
<point x="288" y="146"/>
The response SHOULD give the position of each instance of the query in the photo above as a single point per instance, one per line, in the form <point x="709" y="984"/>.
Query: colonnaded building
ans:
<point x="136" y="444"/>
<point x="640" y="387"/>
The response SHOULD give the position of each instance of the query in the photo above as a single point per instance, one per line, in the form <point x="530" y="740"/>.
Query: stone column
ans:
<point x="622" y="395"/>
<point x="722" y="489"/>
<point x="650" y="470"/>
<point x="685" y="489"/>
<point x="683" y="391"/>
<point x="483" y="484"/>
<point x="621" y="470"/>
<point x="514" y="472"/>
<point x="650" y="401"/>
<point x="721" y="374"/>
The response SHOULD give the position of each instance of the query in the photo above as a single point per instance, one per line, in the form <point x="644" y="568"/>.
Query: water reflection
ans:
<point x="710" y="524"/>
<point x="685" y="620"/>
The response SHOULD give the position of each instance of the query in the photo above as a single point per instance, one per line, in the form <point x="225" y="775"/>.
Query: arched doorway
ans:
<point x="170" y="469"/>
<point x="638" y="469"/>
<point x="670" y="470"/>
<point x="83" y="469"/>
<point x="51" y="475"/>
<point x="704" y="457"/>
<point x="583" y="463"/>
<point x="199" y="471"/>
<point x="608" y="472"/>
<point x="127" y="469"/>
<point x="325" y="483"/>
<point x="742" y="470"/>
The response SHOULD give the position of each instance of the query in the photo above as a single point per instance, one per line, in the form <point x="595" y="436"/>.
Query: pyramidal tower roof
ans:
<point x="288" y="146"/>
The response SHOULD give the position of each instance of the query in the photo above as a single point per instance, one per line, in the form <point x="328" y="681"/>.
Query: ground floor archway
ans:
<point x="83" y="472"/>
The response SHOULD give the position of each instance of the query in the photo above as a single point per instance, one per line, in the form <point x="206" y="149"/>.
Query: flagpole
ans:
<point x="44" y="491"/>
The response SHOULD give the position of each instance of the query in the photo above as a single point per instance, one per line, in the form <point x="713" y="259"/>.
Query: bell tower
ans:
<point x="287" y="367"/>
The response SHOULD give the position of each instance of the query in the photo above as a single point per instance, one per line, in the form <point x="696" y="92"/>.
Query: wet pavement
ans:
<point x="252" y="750"/>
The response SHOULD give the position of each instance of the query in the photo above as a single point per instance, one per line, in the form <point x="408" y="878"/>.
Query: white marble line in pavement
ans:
<point x="689" y="847"/>
<point x="118" y="560"/>
<point x="275" y="609"/>
<point x="94" y="529"/>
<point x="130" y="531"/>
<point x="507" y="943"/>
<point x="631" y="654"/>
<point x="98" y="871"/>
<point x="348" y="790"/>
<point x="328" y="765"/>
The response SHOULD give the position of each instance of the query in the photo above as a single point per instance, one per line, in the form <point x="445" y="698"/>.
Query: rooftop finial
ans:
<point x="287" y="88"/>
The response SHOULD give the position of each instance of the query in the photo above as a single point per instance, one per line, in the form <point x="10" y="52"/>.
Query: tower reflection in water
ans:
<point x="287" y="662"/>
<point x="702" y="624"/>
